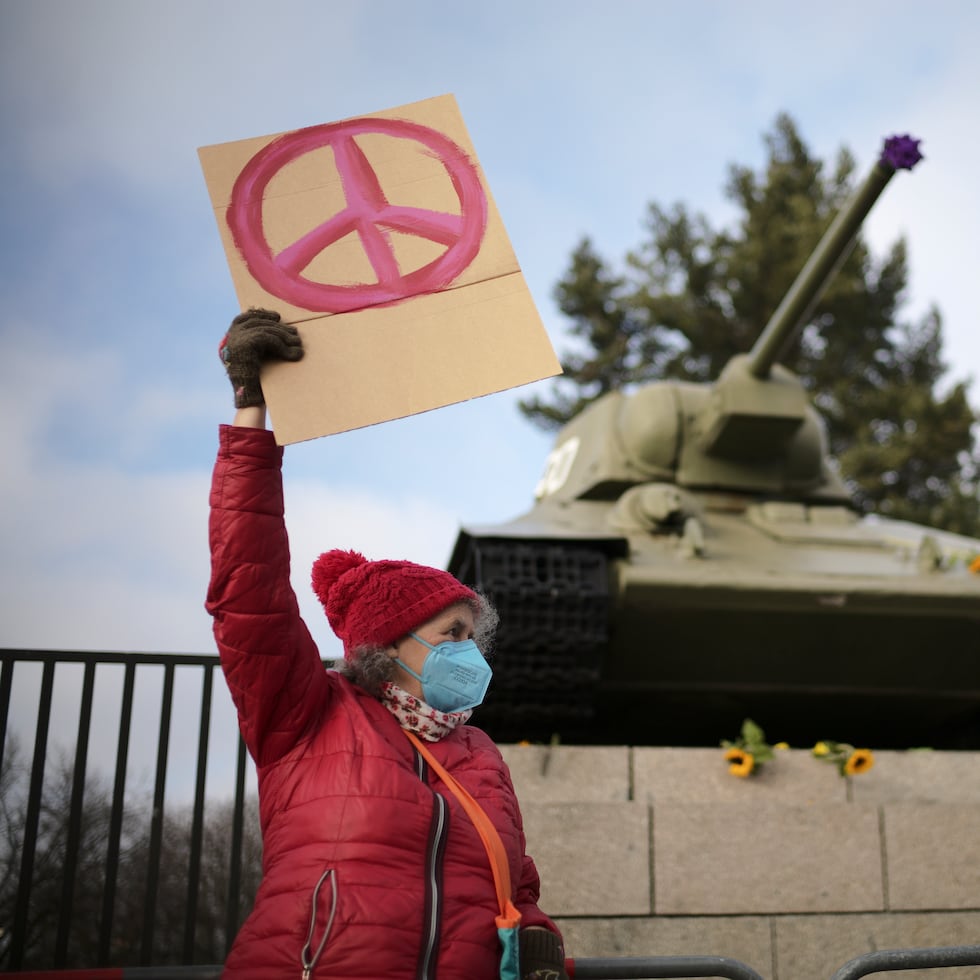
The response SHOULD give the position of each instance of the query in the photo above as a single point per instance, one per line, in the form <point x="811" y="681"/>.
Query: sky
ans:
<point x="115" y="287"/>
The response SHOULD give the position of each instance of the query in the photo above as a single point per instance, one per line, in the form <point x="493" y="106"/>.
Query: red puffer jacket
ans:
<point x="341" y="789"/>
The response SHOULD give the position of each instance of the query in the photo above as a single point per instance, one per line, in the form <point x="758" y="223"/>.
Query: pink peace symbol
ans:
<point x="367" y="213"/>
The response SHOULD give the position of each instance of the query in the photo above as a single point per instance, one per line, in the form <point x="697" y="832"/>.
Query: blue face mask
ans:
<point x="455" y="677"/>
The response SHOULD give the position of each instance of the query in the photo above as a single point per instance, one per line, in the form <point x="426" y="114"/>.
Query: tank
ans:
<point x="692" y="559"/>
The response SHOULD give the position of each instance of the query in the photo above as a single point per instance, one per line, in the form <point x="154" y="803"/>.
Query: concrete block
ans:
<point x="923" y="776"/>
<point x="793" y="777"/>
<point x="743" y="858"/>
<point x="933" y="855"/>
<point x="593" y="858"/>
<point x="569" y="773"/>
<point x="814" y="947"/>
<point x="744" y="938"/>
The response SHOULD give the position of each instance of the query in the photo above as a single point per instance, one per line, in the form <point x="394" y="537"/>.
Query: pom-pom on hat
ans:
<point x="377" y="602"/>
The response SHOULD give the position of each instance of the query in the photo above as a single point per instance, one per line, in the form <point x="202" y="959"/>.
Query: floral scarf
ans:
<point x="417" y="716"/>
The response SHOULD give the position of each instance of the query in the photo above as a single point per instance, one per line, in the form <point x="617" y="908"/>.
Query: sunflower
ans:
<point x="821" y="748"/>
<point x="860" y="760"/>
<point x="742" y="762"/>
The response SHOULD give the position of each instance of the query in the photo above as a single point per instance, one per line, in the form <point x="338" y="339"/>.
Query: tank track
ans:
<point x="553" y="601"/>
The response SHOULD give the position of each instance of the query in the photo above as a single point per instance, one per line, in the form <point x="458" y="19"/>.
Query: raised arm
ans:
<point x="270" y="662"/>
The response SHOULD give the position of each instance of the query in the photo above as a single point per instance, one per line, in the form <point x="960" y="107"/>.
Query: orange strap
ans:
<point x="499" y="865"/>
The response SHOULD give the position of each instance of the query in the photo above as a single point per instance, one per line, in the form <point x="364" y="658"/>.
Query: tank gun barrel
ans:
<point x="898" y="153"/>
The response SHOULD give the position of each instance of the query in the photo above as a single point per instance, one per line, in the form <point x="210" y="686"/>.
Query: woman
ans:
<point x="371" y="868"/>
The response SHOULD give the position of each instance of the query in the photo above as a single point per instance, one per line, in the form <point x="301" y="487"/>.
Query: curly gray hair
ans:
<point x="370" y="666"/>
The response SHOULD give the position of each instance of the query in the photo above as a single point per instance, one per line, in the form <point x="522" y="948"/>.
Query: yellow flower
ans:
<point x="742" y="762"/>
<point x="821" y="748"/>
<point x="781" y="745"/>
<point x="860" y="760"/>
<point x="975" y="565"/>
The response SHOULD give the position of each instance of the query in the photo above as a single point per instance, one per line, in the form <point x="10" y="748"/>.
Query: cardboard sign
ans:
<point x="378" y="237"/>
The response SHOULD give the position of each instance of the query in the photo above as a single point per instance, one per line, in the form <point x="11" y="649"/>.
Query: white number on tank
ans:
<point x="557" y="467"/>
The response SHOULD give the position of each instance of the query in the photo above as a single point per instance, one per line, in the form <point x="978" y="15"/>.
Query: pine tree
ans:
<point x="690" y="297"/>
<point x="612" y="333"/>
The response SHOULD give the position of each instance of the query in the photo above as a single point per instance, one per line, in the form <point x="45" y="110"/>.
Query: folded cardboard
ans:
<point x="379" y="238"/>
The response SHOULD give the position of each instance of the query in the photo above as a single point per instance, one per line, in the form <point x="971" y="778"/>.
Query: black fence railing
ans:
<point x="610" y="968"/>
<point x="35" y="836"/>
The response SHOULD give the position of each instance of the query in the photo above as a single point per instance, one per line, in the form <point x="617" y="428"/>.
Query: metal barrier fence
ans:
<point x="15" y="938"/>
<point x="599" y="968"/>
<point x="888" y="960"/>
<point x="650" y="967"/>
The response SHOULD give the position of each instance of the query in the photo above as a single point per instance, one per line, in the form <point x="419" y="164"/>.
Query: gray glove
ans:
<point x="254" y="338"/>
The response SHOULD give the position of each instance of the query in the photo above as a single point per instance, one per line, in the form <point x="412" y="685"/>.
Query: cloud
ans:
<point x="322" y="518"/>
<point x="935" y="206"/>
<point x="107" y="555"/>
<point x="99" y="559"/>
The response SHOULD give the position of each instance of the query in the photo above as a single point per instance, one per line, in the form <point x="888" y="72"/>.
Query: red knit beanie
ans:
<point x="377" y="602"/>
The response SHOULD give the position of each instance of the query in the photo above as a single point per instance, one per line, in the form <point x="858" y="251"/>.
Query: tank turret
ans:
<point x="751" y="430"/>
<point x="756" y="407"/>
<point x="692" y="558"/>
